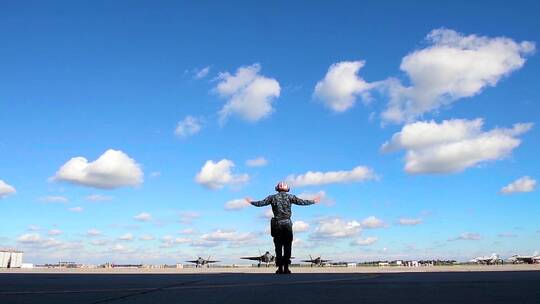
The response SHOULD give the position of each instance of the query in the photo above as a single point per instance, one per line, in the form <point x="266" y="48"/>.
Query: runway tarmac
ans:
<point x="261" y="288"/>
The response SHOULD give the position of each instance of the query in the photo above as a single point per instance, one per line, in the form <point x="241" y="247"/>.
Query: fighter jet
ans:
<point x="200" y="262"/>
<point x="316" y="262"/>
<point x="267" y="258"/>
<point x="525" y="259"/>
<point x="488" y="260"/>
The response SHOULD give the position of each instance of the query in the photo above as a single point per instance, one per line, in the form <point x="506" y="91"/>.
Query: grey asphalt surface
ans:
<point x="432" y="287"/>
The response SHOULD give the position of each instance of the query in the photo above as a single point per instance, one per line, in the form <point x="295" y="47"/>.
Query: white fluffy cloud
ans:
<point x="93" y="232"/>
<point x="98" y="198"/>
<point x="300" y="226"/>
<point x="111" y="170"/>
<point x="257" y="162"/>
<point x="188" y="126"/>
<point x="336" y="228"/>
<point x="215" y="175"/>
<point x="54" y="232"/>
<point x="341" y="86"/>
<point x="370" y="240"/>
<point x="6" y="189"/>
<point x="143" y="217"/>
<point x="126" y="237"/>
<point x="29" y="238"/>
<point x="249" y="94"/>
<point x="372" y="222"/>
<point x="453" y="66"/>
<point x="76" y="209"/>
<point x="453" y="145"/>
<point x="523" y="184"/>
<point x="146" y="237"/>
<point x="311" y="178"/>
<point x="53" y="199"/>
<point x="232" y="236"/>
<point x="236" y="204"/>
<point x="467" y="236"/>
<point x="187" y="217"/>
<point x="409" y="221"/>
<point x="201" y="73"/>
<point x="325" y="199"/>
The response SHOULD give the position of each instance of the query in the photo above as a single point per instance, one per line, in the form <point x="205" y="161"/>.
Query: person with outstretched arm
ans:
<point x="281" y="224"/>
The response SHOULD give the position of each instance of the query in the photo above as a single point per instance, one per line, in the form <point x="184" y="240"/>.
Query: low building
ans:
<point x="11" y="258"/>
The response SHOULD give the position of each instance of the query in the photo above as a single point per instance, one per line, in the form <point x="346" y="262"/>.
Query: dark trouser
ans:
<point x="283" y="242"/>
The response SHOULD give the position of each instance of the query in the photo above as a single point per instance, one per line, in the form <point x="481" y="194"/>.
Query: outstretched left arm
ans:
<point x="302" y="202"/>
<point x="265" y="202"/>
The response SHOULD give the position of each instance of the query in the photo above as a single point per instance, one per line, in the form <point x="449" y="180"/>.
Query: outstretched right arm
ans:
<point x="265" y="202"/>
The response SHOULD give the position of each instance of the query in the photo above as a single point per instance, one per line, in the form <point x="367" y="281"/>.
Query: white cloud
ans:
<point x="336" y="228"/>
<point x="93" y="232"/>
<point x="311" y="178"/>
<point x="98" y="198"/>
<point x="187" y="231"/>
<point x="54" y="232"/>
<point x="201" y="73"/>
<point x="453" y="66"/>
<point x="168" y="241"/>
<point x="325" y="199"/>
<point x="234" y="237"/>
<point x="6" y="189"/>
<point x="523" y="184"/>
<point x="76" y="209"/>
<point x="300" y="226"/>
<point x="236" y="204"/>
<point x="111" y="170"/>
<point x="155" y="174"/>
<point x="34" y="228"/>
<point x="372" y="222"/>
<point x="35" y="240"/>
<point x="249" y="94"/>
<point x="119" y="248"/>
<point x="341" y="86"/>
<point x="29" y="238"/>
<point x="53" y="199"/>
<point x="98" y="242"/>
<point x="365" y="241"/>
<point x="267" y="214"/>
<point x="187" y="217"/>
<point x="143" y="217"/>
<point x="188" y="126"/>
<point x="126" y="237"/>
<point x="506" y="235"/>
<point x="453" y="145"/>
<point x="216" y="175"/>
<point x="467" y="236"/>
<point x="257" y="162"/>
<point x="146" y="237"/>
<point x="410" y="221"/>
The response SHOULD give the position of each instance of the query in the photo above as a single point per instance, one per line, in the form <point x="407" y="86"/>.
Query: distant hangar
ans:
<point x="10" y="258"/>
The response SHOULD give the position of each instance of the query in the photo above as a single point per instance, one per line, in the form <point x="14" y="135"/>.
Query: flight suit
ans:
<point x="281" y="224"/>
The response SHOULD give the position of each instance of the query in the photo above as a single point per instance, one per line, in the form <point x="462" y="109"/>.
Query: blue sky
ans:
<point x="174" y="99"/>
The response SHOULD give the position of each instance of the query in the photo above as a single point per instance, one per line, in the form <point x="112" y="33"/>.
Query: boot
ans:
<point x="286" y="270"/>
<point x="279" y="270"/>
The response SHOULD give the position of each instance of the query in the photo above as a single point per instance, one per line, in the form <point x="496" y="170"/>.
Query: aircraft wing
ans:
<point x="252" y="258"/>
<point x="193" y="261"/>
<point x="211" y="261"/>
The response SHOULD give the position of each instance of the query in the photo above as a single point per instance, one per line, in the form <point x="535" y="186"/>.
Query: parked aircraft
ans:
<point x="488" y="260"/>
<point x="316" y="262"/>
<point x="266" y="258"/>
<point x="525" y="259"/>
<point x="200" y="262"/>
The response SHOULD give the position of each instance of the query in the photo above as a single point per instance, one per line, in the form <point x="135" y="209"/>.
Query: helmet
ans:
<point x="282" y="187"/>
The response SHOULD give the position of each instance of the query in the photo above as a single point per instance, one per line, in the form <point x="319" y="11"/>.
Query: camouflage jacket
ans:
<point x="281" y="205"/>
